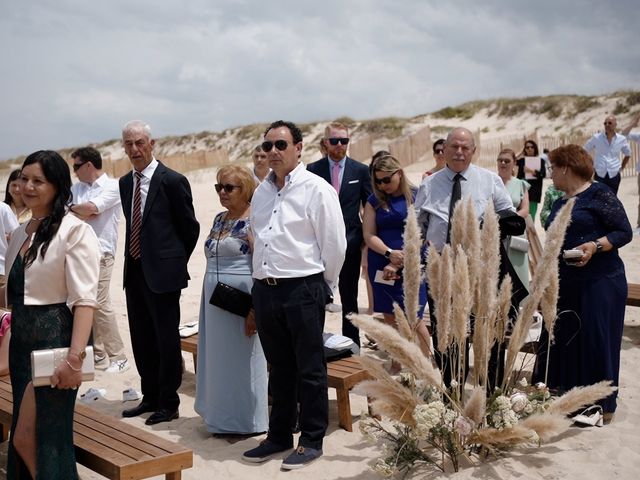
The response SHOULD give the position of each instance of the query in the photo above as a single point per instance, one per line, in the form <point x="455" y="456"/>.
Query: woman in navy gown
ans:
<point x="383" y="226"/>
<point x="593" y="291"/>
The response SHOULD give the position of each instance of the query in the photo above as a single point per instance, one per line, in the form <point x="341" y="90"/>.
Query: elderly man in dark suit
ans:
<point x="352" y="181"/>
<point x="161" y="233"/>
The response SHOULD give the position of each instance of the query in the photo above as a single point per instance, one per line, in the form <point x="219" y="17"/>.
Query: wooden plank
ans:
<point x="633" y="296"/>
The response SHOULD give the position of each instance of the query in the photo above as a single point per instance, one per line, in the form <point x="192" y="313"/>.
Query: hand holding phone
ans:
<point x="572" y="256"/>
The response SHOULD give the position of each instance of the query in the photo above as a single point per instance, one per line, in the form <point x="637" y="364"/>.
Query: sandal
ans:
<point x="590" y="417"/>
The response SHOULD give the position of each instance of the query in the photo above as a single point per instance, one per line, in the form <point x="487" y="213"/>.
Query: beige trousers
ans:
<point x="106" y="337"/>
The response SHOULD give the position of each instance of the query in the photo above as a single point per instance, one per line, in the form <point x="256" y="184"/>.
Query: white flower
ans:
<point x="453" y="384"/>
<point x="519" y="402"/>
<point x="463" y="426"/>
<point x="523" y="382"/>
<point x="427" y="416"/>
<point x="540" y="386"/>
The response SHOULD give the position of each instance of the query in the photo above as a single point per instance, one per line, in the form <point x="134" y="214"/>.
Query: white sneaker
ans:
<point x="92" y="395"/>
<point x="118" y="366"/>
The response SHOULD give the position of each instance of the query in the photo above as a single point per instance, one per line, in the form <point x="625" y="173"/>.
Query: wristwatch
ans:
<point x="598" y="245"/>
<point x="82" y="354"/>
<point x="387" y="254"/>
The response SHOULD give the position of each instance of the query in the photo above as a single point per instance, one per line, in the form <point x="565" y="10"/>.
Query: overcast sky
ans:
<point x="74" y="72"/>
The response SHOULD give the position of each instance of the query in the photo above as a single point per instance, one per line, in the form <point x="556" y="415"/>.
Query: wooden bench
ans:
<point x="111" y="447"/>
<point x="342" y="375"/>
<point x="633" y="296"/>
<point x="190" y="344"/>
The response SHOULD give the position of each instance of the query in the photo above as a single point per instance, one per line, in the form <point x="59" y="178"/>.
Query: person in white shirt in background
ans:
<point x="635" y="137"/>
<point x="8" y="223"/>
<point x="605" y="149"/>
<point x="96" y="200"/>
<point x="299" y="247"/>
<point x="260" y="164"/>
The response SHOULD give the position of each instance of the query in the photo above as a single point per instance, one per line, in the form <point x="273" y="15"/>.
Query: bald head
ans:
<point x="610" y="124"/>
<point x="459" y="149"/>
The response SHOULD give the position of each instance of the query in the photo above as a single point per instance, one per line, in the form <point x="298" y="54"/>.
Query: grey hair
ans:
<point x="462" y="130"/>
<point x="136" y="125"/>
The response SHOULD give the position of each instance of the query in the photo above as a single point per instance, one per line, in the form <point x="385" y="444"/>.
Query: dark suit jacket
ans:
<point x="354" y="191"/>
<point x="169" y="231"/>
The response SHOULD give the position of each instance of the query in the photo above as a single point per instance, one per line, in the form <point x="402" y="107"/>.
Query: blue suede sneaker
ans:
<point x="300" y="457"/>
<point x="263" y="452"/>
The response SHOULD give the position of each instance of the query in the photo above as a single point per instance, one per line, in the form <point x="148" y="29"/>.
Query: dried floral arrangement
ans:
<point x="420" y="421"/>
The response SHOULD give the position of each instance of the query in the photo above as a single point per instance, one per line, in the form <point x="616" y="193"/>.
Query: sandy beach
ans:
<point x="609" y="452"/>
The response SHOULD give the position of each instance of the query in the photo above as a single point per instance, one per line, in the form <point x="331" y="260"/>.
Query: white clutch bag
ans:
<point x="44" y="362"/>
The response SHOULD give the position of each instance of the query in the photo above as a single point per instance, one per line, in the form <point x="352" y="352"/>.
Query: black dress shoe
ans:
<point x="143" y="407"/>
<point x="162" y="415"/>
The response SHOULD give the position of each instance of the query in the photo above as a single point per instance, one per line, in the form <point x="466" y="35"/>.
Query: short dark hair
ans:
<point x="440" y="141"/>
<point x="89" y="154"/>
<point x="296" y="133"/>
<point x="575" y="158"/>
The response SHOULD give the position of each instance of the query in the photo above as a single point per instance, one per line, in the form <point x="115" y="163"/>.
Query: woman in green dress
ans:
<point x="52" y="266"/>
<point x="517" y="188"/>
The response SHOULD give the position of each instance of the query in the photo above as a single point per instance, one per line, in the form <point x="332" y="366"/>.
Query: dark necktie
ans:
<point x="456" y="194"/>
<point x="136" y="219"/>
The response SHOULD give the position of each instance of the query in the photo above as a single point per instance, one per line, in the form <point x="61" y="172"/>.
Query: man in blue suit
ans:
<point x="351" y="180"/>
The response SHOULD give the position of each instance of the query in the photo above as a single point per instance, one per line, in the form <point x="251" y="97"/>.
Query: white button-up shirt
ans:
<point x="434" y="196"/>
<point x="606" y="159"/>
<point x="298" y="230"/>
<point x="104" y="193"/>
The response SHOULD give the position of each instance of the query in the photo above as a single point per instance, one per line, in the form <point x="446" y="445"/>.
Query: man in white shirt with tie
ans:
<point x="299" y="248"/>
<point x="605" y="148"/>
<point x="96" y="200"/>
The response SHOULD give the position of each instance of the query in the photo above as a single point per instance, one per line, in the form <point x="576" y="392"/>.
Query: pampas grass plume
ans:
<point x="411" y="274"/>
<point x="464" y="298"/>
<point x="443" y="301"/>
<point x="580" y="397"/>
<point x="547" y="425"/>
<point x="476" y="406"/>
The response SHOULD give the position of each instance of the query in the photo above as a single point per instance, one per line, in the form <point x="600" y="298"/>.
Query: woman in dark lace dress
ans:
<point x="593" y="291"/>
<point x="52" y="264"/>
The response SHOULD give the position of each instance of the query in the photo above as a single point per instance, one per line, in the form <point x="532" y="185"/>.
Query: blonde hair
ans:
<point x="244" y="177"/>
<point x="390" y="164"/>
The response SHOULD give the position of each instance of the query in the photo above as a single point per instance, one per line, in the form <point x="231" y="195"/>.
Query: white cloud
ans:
<point x="74" y="72"/>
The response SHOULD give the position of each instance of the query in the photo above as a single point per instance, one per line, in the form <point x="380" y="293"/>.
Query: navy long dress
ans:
<point x="588" y="330"/>
<point x="390" y="228"/>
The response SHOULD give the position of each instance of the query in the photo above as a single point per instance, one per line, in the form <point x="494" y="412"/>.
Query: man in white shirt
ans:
<point x="299" y="247"/>
<point x="436" y="198"/>
<point x="96" y="200"/>
<point x="635" y="137"/>
<point x="8" y="223"/>
<point x="605" y="148"/>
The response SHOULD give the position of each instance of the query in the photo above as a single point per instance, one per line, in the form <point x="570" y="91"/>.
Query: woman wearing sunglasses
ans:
<point x="532" y="174"/>
<point x="383" y="226"/>
<point x="231" y="375"/>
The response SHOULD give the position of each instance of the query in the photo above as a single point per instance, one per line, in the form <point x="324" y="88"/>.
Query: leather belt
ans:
<point x="274" y="282"/>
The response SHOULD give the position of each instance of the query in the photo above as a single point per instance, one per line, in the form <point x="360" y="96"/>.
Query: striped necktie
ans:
<point x="136" y="219"/>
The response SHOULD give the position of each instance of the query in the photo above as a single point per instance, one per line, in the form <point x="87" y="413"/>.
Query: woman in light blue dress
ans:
<point x="231" y="379"/>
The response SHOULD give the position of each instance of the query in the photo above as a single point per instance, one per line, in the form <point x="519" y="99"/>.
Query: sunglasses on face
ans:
<point x="335" y="141"/>
<point x="439" y="152"/>
<point x="227" y="187"/>
<point x="504" y="160"/>
<point x="279" y="144"/>
<point x="386" y="180"/>
<point x="77" y="166"/>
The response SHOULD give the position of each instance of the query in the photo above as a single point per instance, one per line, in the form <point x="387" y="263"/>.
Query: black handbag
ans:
<point x="231" y="299"/>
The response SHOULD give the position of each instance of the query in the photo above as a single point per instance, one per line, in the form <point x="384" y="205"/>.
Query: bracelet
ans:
<point x="71" y="366"/>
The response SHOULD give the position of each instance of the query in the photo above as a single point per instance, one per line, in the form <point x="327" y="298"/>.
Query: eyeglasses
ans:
<point x="279" y="144"/>
<point x="504" y="160"/>
<point x="77" y="166"/>
<point x="387" y="179"/>
<point x="227" y="187"/>
<point x="335" y="141"/>
<point x="438" y="151"/>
